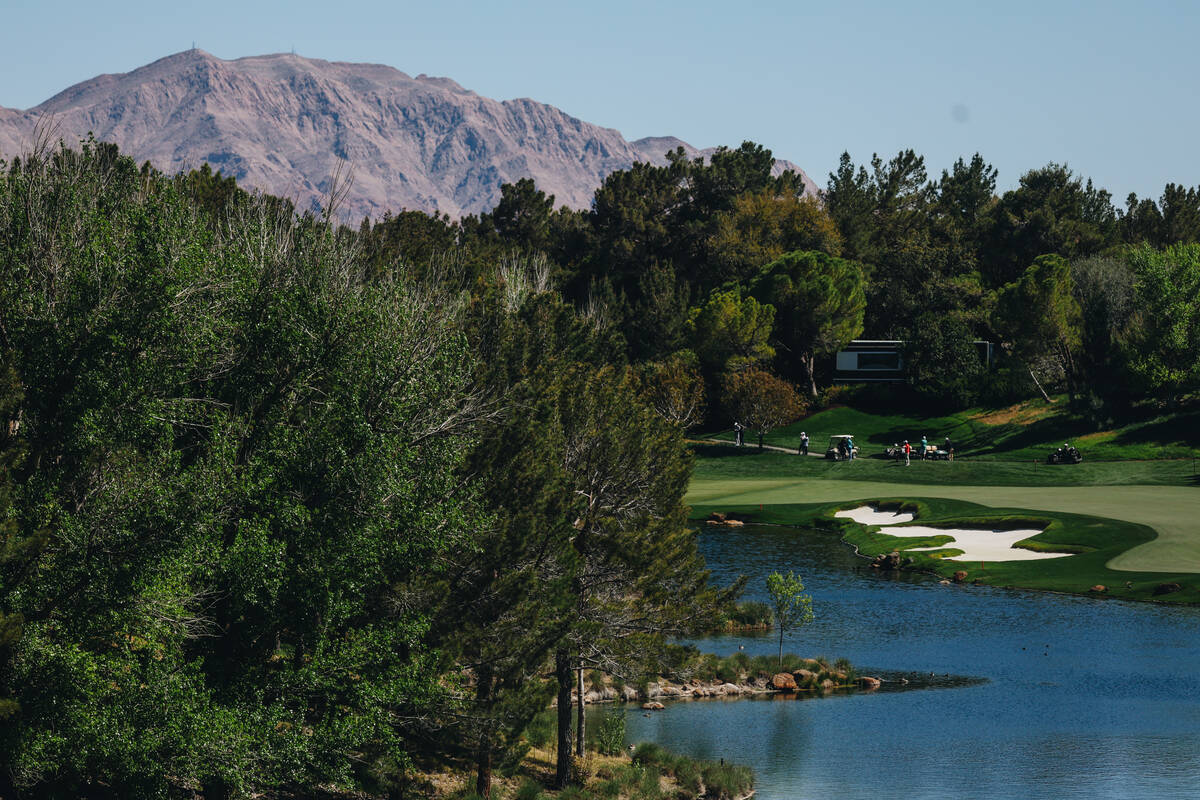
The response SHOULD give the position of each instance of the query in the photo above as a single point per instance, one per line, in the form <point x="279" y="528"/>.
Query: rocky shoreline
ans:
<point x="800" y="681"/>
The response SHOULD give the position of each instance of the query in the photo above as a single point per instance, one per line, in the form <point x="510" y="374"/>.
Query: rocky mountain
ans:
<point x="282" y="123"/>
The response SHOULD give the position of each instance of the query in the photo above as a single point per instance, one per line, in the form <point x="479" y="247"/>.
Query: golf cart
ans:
<point x="1065" y="455"/>
<point x="935" y="453"/>
<point x="837" y="447"/>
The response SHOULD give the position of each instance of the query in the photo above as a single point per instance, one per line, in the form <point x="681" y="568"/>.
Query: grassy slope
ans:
<point x="1024" y="432"/>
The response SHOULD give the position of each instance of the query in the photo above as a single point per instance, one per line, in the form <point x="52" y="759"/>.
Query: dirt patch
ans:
<point x="1096" y="438"/>
<point x="1022" y="413"/>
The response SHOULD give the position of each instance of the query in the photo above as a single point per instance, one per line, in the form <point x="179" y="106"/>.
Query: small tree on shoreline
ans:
<point x="792" y="608"/>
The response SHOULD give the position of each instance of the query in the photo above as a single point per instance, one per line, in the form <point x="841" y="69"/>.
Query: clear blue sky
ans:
<point x="1110" y="88"/>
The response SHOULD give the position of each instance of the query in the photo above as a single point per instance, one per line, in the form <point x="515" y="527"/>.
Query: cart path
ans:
<point x="1172" y="511"/>
<point x="791" y="450"/>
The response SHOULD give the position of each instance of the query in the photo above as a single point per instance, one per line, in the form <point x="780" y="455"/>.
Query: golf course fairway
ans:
<point x="1172" y="511"/>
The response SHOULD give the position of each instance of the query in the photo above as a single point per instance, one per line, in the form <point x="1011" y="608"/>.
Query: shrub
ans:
<point x="610" y="788"/>
<point x="649" y="753"/>
<point x="751" y="613"/>
<point x="830" y="396"/>
<point x="582" y="770"/>
<point x="610" y="735"/>
<point x="650" y="787"/>
<point x="727" y="781"/>
<point x="540" y="729"/>
<point x="529" y="790"/>
<point x="728" y="671"/>
<point x="688" y="774"/>
<point x="707" y="666"/>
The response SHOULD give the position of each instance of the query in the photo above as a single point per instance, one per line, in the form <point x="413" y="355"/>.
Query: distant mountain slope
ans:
<point x="281" y="123"/>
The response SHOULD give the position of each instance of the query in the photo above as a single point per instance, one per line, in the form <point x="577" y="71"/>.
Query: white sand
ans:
<point x="865" y="515"/>
<point x="977" y="545"/>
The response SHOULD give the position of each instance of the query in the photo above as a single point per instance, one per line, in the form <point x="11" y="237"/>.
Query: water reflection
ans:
<point x="1083" y="697"/>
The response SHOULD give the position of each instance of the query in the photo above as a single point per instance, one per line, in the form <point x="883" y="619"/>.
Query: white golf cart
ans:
<point x="837" y="447"/>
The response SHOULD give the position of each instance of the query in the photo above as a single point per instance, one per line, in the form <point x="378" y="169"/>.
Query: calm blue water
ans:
<point x="1084" y="698"/>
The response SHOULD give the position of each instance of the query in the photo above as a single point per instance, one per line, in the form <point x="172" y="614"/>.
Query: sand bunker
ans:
<point x="977" y="545"/>
<point x="865" y="515"/>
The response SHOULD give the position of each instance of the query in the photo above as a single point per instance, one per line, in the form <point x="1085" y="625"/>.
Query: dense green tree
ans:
<point x="1038" y="315"/>
<point x="730" y="332"/>
<point x="1175" y="219"/>
<point x="1103" y="287"/>
<point x="675" y="389"/>
<point x="941" y="361"/>
<point x="232" y="441"/>
<point x="409" y="242"/>
<point x="963" y="199"/>
<point x="510" y="606"/>
<point x="965" y="192"/>
<point x="1165" y="352"/>
<point x="632" y="223"/>
<point x="1052" y="211"/>
<point x="1141" y="220"/>
<point x="19" y="549"/>
<point x="762" y="226"/>
<point x="640" y="578"/>
<point x="213" y="192"/>
<point x="522" y="217"/>
<point x="1180" y="209"/>
<point x="902" y="193"/>
<point x="819" y="304"/>
<point x="850" y="200"/>
<point x="656" y="323"/>
<point x="918" y="241"/>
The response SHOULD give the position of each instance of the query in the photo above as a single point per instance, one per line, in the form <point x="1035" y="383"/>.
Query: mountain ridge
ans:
<point x="281" y="123"/>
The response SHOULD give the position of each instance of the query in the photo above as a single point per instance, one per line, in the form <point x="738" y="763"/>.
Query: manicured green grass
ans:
<point x="1024" y="432"/>
<point x="1096" y="541"/>
<point x="716" y="462"/>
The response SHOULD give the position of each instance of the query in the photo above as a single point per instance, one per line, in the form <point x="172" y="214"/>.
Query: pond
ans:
<point x="1081" y="697"/>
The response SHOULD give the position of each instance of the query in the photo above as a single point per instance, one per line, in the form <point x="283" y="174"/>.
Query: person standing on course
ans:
<point x="803" y="443"/>
<point x="924" y="446"/>
<point x="737" y="430"/>
<point x="949" y="448"/>
<point x="907" y="452"/>
<point x="850" y="449"/>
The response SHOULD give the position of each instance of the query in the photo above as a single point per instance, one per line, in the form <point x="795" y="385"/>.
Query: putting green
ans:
<point x="1173" y="511"/>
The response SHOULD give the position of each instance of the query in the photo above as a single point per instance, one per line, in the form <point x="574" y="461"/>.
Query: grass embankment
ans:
<point x="1023" y="432"/>
<point x="1095" y="541"/>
